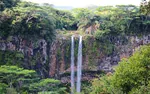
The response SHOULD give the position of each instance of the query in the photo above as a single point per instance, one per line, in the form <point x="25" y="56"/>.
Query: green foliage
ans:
<point x="145" y="8"/>
<point x="3" y="87"/>
<point x="15" y="79"/>
<point x="140" y="90"/>
<point x="15" y="70"/>
<point x="13" y="76"/>
<point x="122" y="19"/>
<point x="101" y="35"/>
<point x="85" y="18"/>
<point x="8" y="4"/>
<point x="27" y="20"/>
<point x="101" y="85"/>
<point x="133" y="72"/>
<point x="131" y="76"/>
<point x="86" y="87"/>
<point x="32" y="20"/>
<point x="105" y="44"/>
<point x="58" y="54"/>
<point x="65" y="20"/>
<point x="11" y="58"/>
<point x="47" y="86"/>
<point x="118" y="20"/>
<point x="5" y="22"/>
<point x="11" y="91"/>
<point x="47" y="81"/>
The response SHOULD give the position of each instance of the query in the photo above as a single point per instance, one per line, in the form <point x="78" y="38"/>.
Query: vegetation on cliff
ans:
<point x="131" y="76"/>
<point x="27" y="22"/>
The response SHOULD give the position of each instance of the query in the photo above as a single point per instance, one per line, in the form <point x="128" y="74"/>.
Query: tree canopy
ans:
<point x="131" y="76"/>
<point x="27" y="20"/>
<point x="8" y="4"/>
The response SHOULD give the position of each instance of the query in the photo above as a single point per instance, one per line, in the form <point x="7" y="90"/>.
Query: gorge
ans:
<point x="60" y="50"/>
<point x="93" y="50"/>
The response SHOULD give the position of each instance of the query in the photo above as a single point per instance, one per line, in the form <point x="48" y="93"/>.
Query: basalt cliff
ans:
<point x="54" y="60"/>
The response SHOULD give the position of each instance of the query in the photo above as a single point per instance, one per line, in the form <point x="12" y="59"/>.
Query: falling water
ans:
<point x="79" y="66"/>
<point x="72" y="64"/>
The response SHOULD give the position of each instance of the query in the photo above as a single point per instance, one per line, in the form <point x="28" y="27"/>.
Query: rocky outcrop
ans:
<point x="97" y="55"/>
<point x="94" y="56"/>
<point x="122" y="50"/>
<point x="57" y="62"/>
<point x="92" y="29"/>
<point x="35" y="52"/>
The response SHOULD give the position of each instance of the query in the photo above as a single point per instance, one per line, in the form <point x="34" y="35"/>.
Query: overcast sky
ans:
<point x="83" y="3"/>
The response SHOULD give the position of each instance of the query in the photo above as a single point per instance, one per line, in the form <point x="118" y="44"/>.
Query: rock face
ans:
<point x="92" y="29"/>
<point x="55" y="61"/>
<point x="122" y="49"/>
<point x="94" y="56"/>
<point x="57" y="57"/>
<point x="35" y="53"/>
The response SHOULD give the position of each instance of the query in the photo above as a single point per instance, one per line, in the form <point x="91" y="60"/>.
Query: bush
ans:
<point x="100" y="35"/>
<point x="3" y="88"/>
<point x="132" y="76"/>
<point x="134" y="72"/>
<point x="11" y="91"/>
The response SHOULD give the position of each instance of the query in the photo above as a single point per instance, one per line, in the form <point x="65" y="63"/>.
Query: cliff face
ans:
<point x="97" y="55"/>
<point x="55" y="61"/>
<point x="34" y="52"/>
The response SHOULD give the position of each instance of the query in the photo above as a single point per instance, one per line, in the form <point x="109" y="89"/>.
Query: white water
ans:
<point x="79" y="66"/>
<point x="72" y="64"/>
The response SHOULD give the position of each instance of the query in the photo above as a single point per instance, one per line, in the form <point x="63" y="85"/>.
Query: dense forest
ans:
<point x="26" y="22"/>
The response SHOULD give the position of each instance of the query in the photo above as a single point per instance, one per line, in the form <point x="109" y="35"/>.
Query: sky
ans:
<point x="84" y="3"/>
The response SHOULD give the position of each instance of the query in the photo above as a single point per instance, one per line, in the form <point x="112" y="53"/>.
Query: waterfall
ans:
<point x="79" y="66"/>
<point x="72" y="64"/>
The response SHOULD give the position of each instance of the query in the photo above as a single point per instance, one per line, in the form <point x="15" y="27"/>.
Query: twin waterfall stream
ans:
<point x="79" y="66"/>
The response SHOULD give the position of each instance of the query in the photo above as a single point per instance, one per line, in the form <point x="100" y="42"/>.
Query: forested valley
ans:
<point x="35" y="48"/>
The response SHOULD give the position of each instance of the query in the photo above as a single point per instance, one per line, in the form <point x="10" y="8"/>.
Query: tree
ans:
<point x="31" y="21"/>
<point x="134" y="72"/>
<point x="131" y="76"/>
<point x="117" y="20"/>
<point x="15" y="77"/>
<point x="85" y="19"/>
<point x="145" y="7"/>
<point x="8" y="4"/>
<point x="47" y="85"/>
<point x="27" y="20"/>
